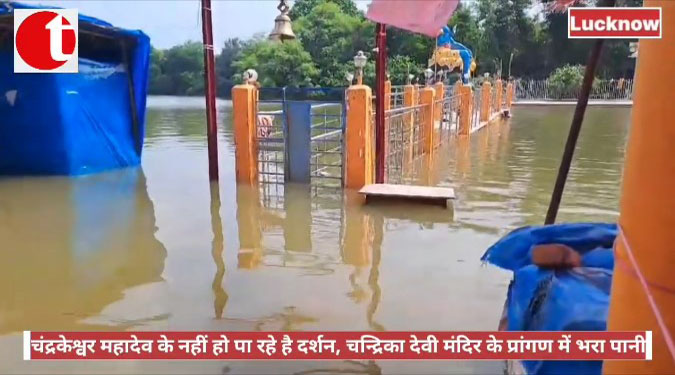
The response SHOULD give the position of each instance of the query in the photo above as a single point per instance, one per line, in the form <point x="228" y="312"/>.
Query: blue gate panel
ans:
<point x="298" y="141"/>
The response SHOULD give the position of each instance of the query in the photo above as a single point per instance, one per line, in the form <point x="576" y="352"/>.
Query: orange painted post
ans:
<point x="465" y="109"/>
<point x="440" y="94"/>
<point x="427" y="97"/>
<point x="359" y="142"/>
<point x="509" y="95"/>
<point x="500" y="91"/>
<point x="387" y="107"/>
<point x="410" y="100"/>
<point x="648" y="206"/>
<point x="244" y="113"/>
<point x="486" y="95"/>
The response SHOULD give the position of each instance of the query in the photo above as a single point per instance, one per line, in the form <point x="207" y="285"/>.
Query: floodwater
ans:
<point x="157" y="249"/>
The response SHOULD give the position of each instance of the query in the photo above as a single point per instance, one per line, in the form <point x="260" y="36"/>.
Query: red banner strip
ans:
<point x="337" y="345"/>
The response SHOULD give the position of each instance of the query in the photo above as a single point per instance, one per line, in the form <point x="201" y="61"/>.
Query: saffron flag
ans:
<point x="420" y="16"/>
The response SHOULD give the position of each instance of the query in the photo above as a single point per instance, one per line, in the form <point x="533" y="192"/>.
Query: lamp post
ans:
<point x="350" y="78"/>
<point x="428" y="74"/>
<point x="250" y="77"/>
<point x="360" y="61"/>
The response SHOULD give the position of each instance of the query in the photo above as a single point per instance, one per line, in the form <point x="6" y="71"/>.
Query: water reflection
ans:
<point x="217" y="247"/>
<point x="72" y="246"/>
<point x="83" y="253"/>
<point x="250" y="221"/>
<point x="298" y="222"/>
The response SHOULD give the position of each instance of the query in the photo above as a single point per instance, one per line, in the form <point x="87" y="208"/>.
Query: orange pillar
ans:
<point x="410" y="100"/>
<point x="244" y="113"/>
<point x="648" y="203"/>
<point x="387" y="107"/>
<point x="465" y="109"/>
<point x="359" y="141"/>
<point x="486" y="95"/>
<point x="427" y="97"/>
<point x="509" y="95"/>
<point x="440" y="95"/>
<point x="500" y="90"/>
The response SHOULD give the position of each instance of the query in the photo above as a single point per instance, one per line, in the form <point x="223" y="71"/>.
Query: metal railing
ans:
<point x="397" y="95"/>
<point x="475" y="109"/>
<point x="405" y="142"/>
<point x="450" y="117"/>
<point x="327" y="137"/>
<point x="270" y="134"/>
<point x="326" y="134"/>
<point x="615" y="89"/>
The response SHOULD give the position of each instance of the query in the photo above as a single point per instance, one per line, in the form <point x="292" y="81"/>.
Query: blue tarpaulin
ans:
<point x="575" y="299"/>
<point x="73" y="124"/>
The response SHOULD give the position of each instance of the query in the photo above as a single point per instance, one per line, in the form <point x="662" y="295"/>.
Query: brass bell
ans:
<point x="282" y="24"/>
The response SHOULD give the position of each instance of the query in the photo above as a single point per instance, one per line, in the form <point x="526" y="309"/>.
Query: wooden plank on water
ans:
<point x="411" y="193"/>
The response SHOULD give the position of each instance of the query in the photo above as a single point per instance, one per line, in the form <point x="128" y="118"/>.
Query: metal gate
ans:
<point x="300" y="135"/>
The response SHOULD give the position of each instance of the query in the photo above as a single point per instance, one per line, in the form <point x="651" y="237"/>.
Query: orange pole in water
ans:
<point x="465" y="110"/>
<point x="509" y="95"/>
<point x="427" y="98"/>
<point x="359" y="141"/>
<point x="244" y="126"/>
<point x="648" y="207"/>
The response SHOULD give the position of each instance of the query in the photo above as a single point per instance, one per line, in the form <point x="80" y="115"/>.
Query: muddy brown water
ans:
<point x="153" y="248"/>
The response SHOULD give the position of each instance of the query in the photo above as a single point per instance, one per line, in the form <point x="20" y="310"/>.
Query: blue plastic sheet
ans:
<point x="575" y="299"/>
<point x="73" y="124"/>
<point x="514" y="251"/>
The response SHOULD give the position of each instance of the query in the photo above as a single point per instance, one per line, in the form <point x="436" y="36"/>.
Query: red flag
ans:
<point x="420" y="16"/>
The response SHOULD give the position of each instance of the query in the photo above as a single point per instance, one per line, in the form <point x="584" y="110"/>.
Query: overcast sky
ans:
<point x="171" y="22"/>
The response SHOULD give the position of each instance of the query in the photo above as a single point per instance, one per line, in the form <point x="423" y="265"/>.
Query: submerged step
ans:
<point x="409" y="193"/>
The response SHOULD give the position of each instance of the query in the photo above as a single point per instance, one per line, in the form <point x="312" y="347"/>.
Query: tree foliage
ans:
<point x="401" y="66"/>
<point x="521" y="38"/>
<point x="302" y="8"/>
<point x="278" y="64"/>
<point x="178" y="70"/>
<point x="225" y="65"/>
<point x="332" y="38"/>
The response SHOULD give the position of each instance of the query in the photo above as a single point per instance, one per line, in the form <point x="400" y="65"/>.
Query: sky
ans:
<point x="172" y="22"/>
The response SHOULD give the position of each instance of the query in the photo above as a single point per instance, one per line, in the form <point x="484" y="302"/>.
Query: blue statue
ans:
<point x="446" y="41"/>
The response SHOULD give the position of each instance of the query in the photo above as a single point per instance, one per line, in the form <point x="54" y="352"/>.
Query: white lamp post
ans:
<point x="360" y="61"/>
<point x="428" y="74"/>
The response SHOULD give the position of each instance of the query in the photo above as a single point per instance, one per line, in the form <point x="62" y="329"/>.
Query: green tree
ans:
<point x="467" y="30"/>
<point x="401" y="66"/>
<point x="178" y="70"/>
<point x="224" y="65"/>
<point x="332" y="38"/>
<point x="302" y="8"/>
<point x="404" y="43"/>
<point x="278" y="64"/>
<point x="565" y="81"/>
<point x="160" y="83"/>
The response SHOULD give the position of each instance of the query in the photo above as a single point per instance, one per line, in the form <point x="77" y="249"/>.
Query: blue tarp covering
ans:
<point x="575" y="299"/>
<point x="73" y="124"/>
